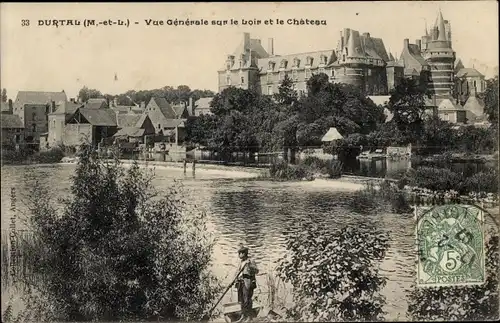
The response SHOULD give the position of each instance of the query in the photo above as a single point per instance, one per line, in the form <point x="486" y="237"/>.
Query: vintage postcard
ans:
<point x="235" y="162"/>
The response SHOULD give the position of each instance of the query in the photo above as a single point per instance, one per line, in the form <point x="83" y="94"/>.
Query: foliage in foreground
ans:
<point x="460" y="303"/>
<point x="334" y="273"/>
<point x="53" y="155"/>
<point x="118" y="251"/>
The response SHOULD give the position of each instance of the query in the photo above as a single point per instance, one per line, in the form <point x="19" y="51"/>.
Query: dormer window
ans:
<point x="307" y="74"/>
<point x="228" y="79"/>
<point x="283" y="63"/>
<point x="296" y="62"/>
<point x="321" y="70"/>
<point x="271" y="65"/>
<point x="323" y="59"/>
<point x="309" y="60"/>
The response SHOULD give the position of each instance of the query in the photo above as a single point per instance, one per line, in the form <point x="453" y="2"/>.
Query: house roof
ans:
<point x="39" y="97"/>
<point x="458" y="65"/>
<point x="331" y="135"/>
<point x="448" y="105"/>
<point x="203" y="104"/>
<point x="128" y="109"/>
<point x="97" y="100"/>
<point x="127" y="120"/>
<point x="475" y="105"/>
<point x="5" y="106"/>
<point x="11" y="121"/>
<point x="99" y="117"/>
<point x="129" y="132"/>
<point x="165" y="107"/>
<point x="469" y="72"/>
<point x="172" y="123"/>
<point x="67" y="108"/>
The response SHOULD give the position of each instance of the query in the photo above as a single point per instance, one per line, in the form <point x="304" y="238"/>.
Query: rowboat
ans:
<point x="232" y="311"/>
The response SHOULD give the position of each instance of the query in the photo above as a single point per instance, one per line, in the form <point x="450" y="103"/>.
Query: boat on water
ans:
<point x="378" y="154"/>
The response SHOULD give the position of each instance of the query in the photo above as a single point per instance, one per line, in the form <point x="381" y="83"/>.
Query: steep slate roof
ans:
<point x="38" y="97"/>
<point x="475" y="105"/>
<point x="179" y="110"/>
<point x="97" y="100"/>
<point x="128" y="120"/>
<point x="374" y="48"/>
<point x="458" y="65"/>
<point x="129" y="132"/>
<point x="411" y="59"/>
<point x="469" y="72"/>
<point x="11" y="121"/>
<point x="165" y="107"/>
<point x="99" y="117"/>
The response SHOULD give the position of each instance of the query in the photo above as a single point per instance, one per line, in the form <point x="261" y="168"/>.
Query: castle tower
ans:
<point x="439" y="54"/>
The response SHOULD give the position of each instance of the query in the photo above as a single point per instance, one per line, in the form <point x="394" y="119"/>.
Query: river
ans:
<point x="255" y="213"/>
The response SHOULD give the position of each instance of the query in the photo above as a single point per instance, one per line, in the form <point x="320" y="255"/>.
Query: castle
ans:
<point x="361" y="60"/>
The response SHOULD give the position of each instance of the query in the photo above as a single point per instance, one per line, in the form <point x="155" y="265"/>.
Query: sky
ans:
<point x="48" y="58"/>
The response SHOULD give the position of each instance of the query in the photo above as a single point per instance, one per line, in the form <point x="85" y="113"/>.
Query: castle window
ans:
<point x="307" y="74"/>
<point x="270" y="90"/>
<point x="369" y="72"/>
<point x="282" y="75"/>
<point x="241" y="63"/>
<point x="294" y="75"/>
<point x="242" y="80"/>
<point x="33" y="127"/>
<point x="343" y="57"/>
<point x="309" y="60"/>
<point x="228" y="79"/>
<point x="269" y="77"/>
<point x="271" y="65"/>
<point x="283" y="63"/>
<point x="321" y="70"/>
<point x="296" y="62"/>
<point x="33" y="116"/>
<point x="346" y="51"/>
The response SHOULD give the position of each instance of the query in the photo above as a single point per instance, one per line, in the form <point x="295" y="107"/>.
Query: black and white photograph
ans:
<point x="250" y="161"/>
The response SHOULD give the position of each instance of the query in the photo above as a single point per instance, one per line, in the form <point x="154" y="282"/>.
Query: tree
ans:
<point x="407" y="104"/>
<point x="491" y="100"/>
<point x="85" y="93"/>
<point x="4" y="95"/>
<point x="199" y="130"/>
<point x="286" y="94"/>
<point x="119" y="250"/>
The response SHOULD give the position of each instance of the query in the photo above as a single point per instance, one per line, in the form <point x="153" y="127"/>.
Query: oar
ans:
<point x="207" y="316"/>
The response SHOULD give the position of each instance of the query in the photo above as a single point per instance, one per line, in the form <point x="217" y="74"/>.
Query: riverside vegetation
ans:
<point x="90" y="263"/>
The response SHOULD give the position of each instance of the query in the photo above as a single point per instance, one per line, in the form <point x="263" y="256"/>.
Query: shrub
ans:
<point x="387" y="198"/>
<point x="118" y="250"/>
<point x="281" y="170"/>
<point x="334" y="273"/>
<point x="53" y="155"/>
<point x="481" y="182"/>
<point x="436" y="179"/>
<point x="460" y="303"/>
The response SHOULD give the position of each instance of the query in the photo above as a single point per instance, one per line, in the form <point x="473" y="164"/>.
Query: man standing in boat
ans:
<point x="246" y="283"/>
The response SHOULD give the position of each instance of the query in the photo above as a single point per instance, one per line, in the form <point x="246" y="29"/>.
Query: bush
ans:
<point x="436" y="179"/>
<point x="460" y="303"/>
<point x="332" y="167"/>
<point x="481" y="182"/>
<point x="387" y="198"/>
<point x="281" y="170"/>
<point x="53" y="155"/>
<point x="118" y="251"/>
<point x="334" y="273"/>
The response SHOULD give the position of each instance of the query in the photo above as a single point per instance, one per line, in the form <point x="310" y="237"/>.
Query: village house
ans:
<point x="165" y="119"/>
<point x="33" y="108"/>
<point x="12" y="130"/>
<point x="94" y="125"/>
<point x="58" y="120"/>
<point x="135" y="108"/>
<point x="133" y="128"/>
<point x="202" y="106"/>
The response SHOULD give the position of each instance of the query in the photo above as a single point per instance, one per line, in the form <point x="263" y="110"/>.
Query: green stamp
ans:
<point x="450" y="246"/>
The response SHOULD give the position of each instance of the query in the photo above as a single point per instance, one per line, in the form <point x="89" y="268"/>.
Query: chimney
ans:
<point x="341" y="39"/>
<point x="53" y="106"/>
<point x="406" y="43"/>
<point x="270" y="46"/>
<point x="419" y="44"/>
<point x="72" y="100"/>
<point x="367" y="35"/>
<point x="10" y="106"/>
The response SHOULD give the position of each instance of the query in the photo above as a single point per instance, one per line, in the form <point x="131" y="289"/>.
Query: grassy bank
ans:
<point x="26" y="157"/>
<point x="307" y="169"/>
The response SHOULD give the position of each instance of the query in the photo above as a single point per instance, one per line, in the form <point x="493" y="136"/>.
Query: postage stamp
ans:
<point x="450" y="246"/>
